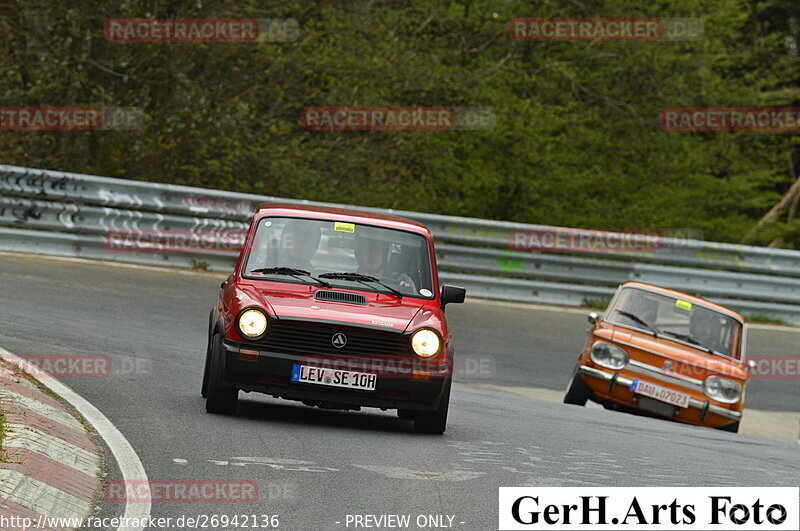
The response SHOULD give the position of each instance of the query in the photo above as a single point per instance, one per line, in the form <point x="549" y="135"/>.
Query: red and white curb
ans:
<point x="54" y="466"/>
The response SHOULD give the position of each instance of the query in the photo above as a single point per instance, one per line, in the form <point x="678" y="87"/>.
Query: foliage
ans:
<point x="577" y="140"/>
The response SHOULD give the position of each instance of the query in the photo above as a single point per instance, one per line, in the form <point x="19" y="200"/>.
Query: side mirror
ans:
<point x="593" y="318"/>
<point x="751" y="364"/>
<point x="452" y="294"/>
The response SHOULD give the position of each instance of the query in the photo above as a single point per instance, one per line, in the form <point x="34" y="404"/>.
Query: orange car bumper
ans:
<point x="611" y="386"/>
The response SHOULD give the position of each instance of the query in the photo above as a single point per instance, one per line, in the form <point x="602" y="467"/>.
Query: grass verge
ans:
<point x="4" y="458"/>
<point x="765" y="319"/>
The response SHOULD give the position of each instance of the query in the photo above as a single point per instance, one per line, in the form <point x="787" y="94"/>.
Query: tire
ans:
<point x="578" y="393"/>
<point x="733" y="428"/>
<point x="220" y="399"/>
<point x="204" y="390"/>
<point x="434" y="421"/>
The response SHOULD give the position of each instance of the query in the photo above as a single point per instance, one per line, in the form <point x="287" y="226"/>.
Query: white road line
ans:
<point x="129" y="464"/>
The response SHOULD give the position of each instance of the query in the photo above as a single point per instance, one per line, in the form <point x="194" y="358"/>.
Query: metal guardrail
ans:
<point x="67" y="214"/>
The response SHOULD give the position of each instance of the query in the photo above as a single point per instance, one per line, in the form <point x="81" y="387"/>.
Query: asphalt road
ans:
<point x="314" y="467"/>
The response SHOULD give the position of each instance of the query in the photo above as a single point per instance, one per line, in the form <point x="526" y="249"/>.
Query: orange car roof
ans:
<point x="685" y="296"/>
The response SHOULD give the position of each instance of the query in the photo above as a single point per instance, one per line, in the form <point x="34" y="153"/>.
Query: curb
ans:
<point x="50" y="464"/>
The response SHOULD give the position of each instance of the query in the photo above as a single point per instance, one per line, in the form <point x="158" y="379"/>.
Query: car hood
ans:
<point x="382" y="311"/>
<point x="681" y="353"/>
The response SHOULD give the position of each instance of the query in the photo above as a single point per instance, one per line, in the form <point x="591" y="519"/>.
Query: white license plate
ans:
<point x="364" y="381"/>
<point x="660" y="393"/>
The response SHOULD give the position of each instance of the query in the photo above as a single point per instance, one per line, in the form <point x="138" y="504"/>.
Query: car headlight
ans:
<point x="426" y="343"/>
<point x="722" y="389"/>
<point x="608" y="355"/>
<point x="252" y="323"/>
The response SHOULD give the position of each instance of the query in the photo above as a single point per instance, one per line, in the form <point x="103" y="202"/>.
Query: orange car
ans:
<point x="661" y="352"/>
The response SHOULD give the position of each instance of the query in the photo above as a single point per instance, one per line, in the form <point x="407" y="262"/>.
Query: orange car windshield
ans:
<point x="677" y="320"/>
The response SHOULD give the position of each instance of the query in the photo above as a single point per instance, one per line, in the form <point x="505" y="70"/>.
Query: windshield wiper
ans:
<point x="638" y="321"/>
<point x="291" y="271"/>
<point x="358" y="277"/>
<point x="692" y="341"/>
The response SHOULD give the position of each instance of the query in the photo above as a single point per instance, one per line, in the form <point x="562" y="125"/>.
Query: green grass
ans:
<point x="4" y="458"/>
<point x="199" y="264"/>
<point x="767" y="319"/>
<point x="596" y="303"/>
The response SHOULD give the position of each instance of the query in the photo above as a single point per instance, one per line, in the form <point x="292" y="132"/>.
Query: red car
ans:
<point x="335" y="308"/>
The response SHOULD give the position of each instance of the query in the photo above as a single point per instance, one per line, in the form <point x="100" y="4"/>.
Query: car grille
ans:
<point x="311" y="338"/>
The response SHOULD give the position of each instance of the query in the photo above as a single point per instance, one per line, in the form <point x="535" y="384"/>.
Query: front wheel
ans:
<point x="204" y="390"/>
<point x="206" y="370"/>
<point x="578" y="393"/>
<point x="220" y="399"/>
<point x="434" y="421"/>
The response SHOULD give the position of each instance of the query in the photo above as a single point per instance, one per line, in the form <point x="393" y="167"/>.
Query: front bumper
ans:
<point x="270" y="374"/>
<point x="614" y="380"/>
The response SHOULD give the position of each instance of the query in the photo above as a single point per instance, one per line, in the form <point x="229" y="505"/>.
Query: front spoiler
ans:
<point x="615" y="379"/>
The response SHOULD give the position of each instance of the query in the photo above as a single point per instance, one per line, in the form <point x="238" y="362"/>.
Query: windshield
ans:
<point x="397" y="259"/>
<point x="676" y="319"/>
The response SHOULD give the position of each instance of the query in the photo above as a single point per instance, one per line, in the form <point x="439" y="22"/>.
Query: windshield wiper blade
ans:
<point x="692" y="341"/>
<point x="291" y="271"/>
<point x="684" y="337"/>
<point x="358" y="277"/>
<point x="639" y="321"/>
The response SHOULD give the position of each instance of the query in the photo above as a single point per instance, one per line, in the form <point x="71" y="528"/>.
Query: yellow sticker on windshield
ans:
<point x="338" y="226"/>
<point x="684" y="305"/>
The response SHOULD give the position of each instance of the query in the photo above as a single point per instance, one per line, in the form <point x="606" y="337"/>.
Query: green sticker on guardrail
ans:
<point x="683" y="305"/>
<point x="338" y="226"/>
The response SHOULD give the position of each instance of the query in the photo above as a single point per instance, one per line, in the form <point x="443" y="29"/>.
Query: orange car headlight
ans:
<point x="722" y="389"/>
<point x="609" y="356"/>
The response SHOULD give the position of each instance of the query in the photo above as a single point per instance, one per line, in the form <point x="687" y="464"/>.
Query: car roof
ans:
<point x="340" y="214"/>
<point x="684" y="296"/>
